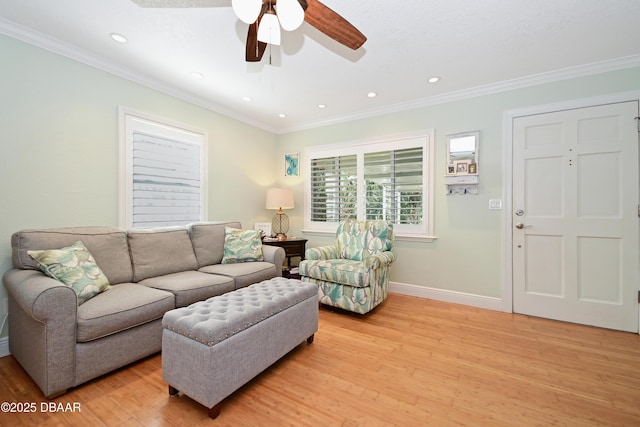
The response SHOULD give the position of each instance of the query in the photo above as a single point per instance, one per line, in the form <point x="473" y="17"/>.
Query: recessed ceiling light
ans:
<point x="372" y="94"/>
<point x="118" y="37"/>
<point x="322" y="105"/>
<point x="434" y="79"/>
<point x="247" y="98"/>
<point x="197" y="75"/>
<point x="282" y="115"/>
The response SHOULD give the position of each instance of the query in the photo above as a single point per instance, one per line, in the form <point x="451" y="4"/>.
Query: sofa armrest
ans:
<point x="322" y="252"/>
<point x="378" y="260"/>
<point x="42" y="328"/>
<point x="274" y="255"/>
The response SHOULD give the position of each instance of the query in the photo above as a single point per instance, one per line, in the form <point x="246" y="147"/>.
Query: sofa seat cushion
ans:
<point x="191" y="286"/>
<point x="122" y="307"/>
<point x="342" y="271"/>
<point x="245" y="273"/>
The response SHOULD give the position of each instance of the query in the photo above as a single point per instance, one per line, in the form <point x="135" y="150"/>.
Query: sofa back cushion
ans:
<point x="208" y="241"/>
<point x="108" y="245"/>
<point x="159" y="251"/>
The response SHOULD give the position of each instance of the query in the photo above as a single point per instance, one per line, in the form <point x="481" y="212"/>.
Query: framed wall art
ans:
<point x="292" y="164"/>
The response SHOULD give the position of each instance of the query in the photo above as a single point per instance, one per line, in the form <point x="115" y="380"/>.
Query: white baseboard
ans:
<point x="4" y="347"/>
<point x="490" y="303"/>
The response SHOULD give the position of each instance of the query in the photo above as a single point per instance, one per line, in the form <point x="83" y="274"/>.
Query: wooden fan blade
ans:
<point x="254" y="48"/>
<point x="333" y="25"/>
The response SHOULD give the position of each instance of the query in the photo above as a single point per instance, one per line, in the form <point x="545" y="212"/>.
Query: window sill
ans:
<point x="398" y="237"/>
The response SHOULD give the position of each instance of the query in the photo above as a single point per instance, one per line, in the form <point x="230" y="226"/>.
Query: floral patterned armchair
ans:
<point x="352" y="274"/>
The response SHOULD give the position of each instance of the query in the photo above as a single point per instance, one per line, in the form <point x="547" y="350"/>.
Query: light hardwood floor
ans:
<point x="410" y="362"/>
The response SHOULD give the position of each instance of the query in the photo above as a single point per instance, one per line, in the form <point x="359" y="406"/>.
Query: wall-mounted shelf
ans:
<point x="462" y="184"/>
<point x="462" y="163"/>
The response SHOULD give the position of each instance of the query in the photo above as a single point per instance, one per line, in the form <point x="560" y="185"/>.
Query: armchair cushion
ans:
<point x="342" y="271"/>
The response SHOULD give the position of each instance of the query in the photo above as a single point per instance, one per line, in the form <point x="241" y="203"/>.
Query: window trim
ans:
<point x="131" y="120"/>
<point x="425" y="138"/>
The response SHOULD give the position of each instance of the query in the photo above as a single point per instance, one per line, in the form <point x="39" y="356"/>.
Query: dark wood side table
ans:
<point x="293" y="247"/>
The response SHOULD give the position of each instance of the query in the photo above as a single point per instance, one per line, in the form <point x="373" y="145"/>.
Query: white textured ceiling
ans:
<point x="469" y="44"/>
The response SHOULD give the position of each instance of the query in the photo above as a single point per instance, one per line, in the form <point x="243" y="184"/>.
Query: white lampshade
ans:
<point x="269" y="29"/>
<point x="290" y="13"/>
<point x="247" y="10"/>
<point x="279" y="198"/>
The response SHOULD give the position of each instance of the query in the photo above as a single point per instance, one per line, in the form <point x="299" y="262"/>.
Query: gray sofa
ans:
<point x="62" y="344"/>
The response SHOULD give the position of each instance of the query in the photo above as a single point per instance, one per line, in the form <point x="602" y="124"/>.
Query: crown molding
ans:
<point x="489" y="89"/>
<point x="59" y="47"/>
<point x="43" y="41"/>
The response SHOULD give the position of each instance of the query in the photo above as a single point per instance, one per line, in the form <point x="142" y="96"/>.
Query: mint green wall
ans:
<point x="59" y="159"/>
<point x="467" y="255"/>
<point x="59" y="146"/>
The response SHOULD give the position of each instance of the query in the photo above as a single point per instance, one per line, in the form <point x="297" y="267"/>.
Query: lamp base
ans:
<point x="280" y="225"/>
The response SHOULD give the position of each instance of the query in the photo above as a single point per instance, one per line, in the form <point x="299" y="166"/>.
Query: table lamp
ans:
<point x="280" y="198"/>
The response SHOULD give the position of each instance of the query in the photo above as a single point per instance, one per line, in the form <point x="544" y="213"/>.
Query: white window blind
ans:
<point x="166" y="181"/>
<point x="163" y="173"/>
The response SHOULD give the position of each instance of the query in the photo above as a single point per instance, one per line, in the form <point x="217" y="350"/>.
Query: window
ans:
<point x="163" y="172"/>
<point x="389" y="179"/>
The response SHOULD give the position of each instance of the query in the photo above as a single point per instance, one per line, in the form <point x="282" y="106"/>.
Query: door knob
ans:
<point x="519" y="226"/>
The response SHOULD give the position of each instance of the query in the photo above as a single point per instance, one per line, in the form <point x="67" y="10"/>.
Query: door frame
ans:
<point x="507" y="214"/>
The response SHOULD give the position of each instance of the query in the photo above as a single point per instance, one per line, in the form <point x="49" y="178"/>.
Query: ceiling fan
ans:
<point x="266" y="16"/>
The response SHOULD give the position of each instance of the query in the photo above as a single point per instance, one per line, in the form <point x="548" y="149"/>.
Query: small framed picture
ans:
<point x="451" y="170"/>
<point x="472" y="169"/>
<point x="264" y="227"/>
<point x="462" y="167"/>
<point x="292" y="164"/>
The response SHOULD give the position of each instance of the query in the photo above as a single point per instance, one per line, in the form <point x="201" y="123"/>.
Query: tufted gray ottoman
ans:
<point x="211" y="348"/>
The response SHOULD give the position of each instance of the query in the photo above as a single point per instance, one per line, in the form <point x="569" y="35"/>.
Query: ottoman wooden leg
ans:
<point x="215" y="411"/>
<point x="310" y="339"/>
<point x="173" y="391"/>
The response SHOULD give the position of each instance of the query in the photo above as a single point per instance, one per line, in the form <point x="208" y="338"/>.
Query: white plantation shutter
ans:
<point x="391" y="179"/>
<point x="394" y="185"/>
<point x="334" y="188"/>
<point x="166" y="181"/>
<point x="163" y="173"/>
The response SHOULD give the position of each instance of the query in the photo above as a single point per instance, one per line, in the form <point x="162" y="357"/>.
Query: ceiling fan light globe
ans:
<point x="247" y="10"/>
<point x="290" y="13"/>
<point x="269" y="29"/>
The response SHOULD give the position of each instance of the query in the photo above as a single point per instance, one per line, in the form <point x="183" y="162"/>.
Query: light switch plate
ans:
<point x="495" y="204"/>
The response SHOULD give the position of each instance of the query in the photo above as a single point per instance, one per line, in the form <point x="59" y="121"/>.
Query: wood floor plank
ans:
<point x="411" y="361"/>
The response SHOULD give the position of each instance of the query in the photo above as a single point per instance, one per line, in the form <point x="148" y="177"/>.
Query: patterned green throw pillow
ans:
<point x="75" y="267"/>
<point x="241" y="246"/>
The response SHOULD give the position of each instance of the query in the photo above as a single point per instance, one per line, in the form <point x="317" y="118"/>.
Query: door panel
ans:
<point x="576" y="244"/>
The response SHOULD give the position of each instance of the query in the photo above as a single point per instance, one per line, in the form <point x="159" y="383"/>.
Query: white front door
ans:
<point x="575" y="216"/>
